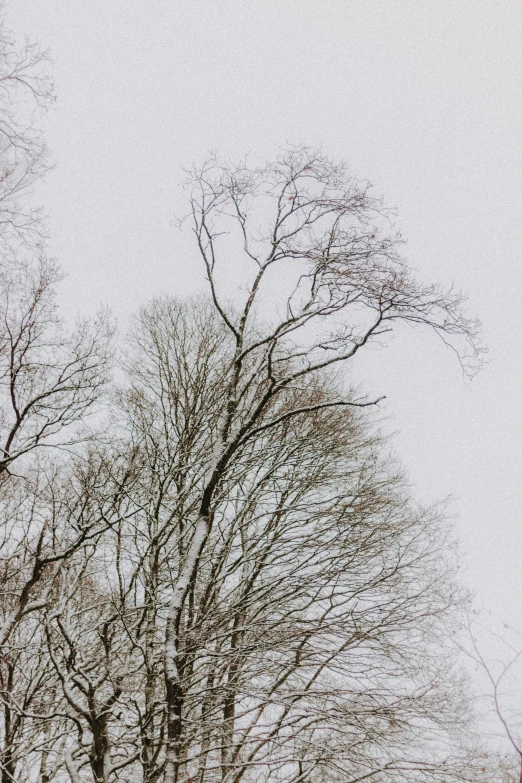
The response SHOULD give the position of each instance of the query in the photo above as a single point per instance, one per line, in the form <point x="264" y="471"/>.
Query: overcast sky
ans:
<point x="421" y="97"/>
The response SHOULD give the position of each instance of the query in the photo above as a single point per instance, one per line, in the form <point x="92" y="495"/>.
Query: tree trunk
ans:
<point x="100" y="753"/>
<point x="173" y="684"/>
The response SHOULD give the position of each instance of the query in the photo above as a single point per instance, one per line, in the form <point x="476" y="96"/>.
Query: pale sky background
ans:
<point x="421" y="97"/>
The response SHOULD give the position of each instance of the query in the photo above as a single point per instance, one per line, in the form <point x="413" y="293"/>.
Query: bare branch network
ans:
<point x="213" y="571"/>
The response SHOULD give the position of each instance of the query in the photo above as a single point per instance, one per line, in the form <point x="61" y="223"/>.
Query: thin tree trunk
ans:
<point x="173" y="684"/>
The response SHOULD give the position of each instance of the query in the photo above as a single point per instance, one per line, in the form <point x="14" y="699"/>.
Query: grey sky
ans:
<point x="422" y="97"/>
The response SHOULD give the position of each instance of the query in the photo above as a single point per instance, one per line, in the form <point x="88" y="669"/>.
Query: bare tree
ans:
<point x="26" y="91"/>
<point x="49" y="381"/>
<point x="348" y="287"/>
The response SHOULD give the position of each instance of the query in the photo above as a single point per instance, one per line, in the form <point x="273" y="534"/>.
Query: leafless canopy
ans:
<point x="230" y="582"/>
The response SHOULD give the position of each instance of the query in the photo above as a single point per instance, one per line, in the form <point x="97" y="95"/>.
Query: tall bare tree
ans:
<point x="51" y="378"/>
<point x="343" y="285"/>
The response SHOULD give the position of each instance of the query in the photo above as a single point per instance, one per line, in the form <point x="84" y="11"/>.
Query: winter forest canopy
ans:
<point x="211" y="567"/>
